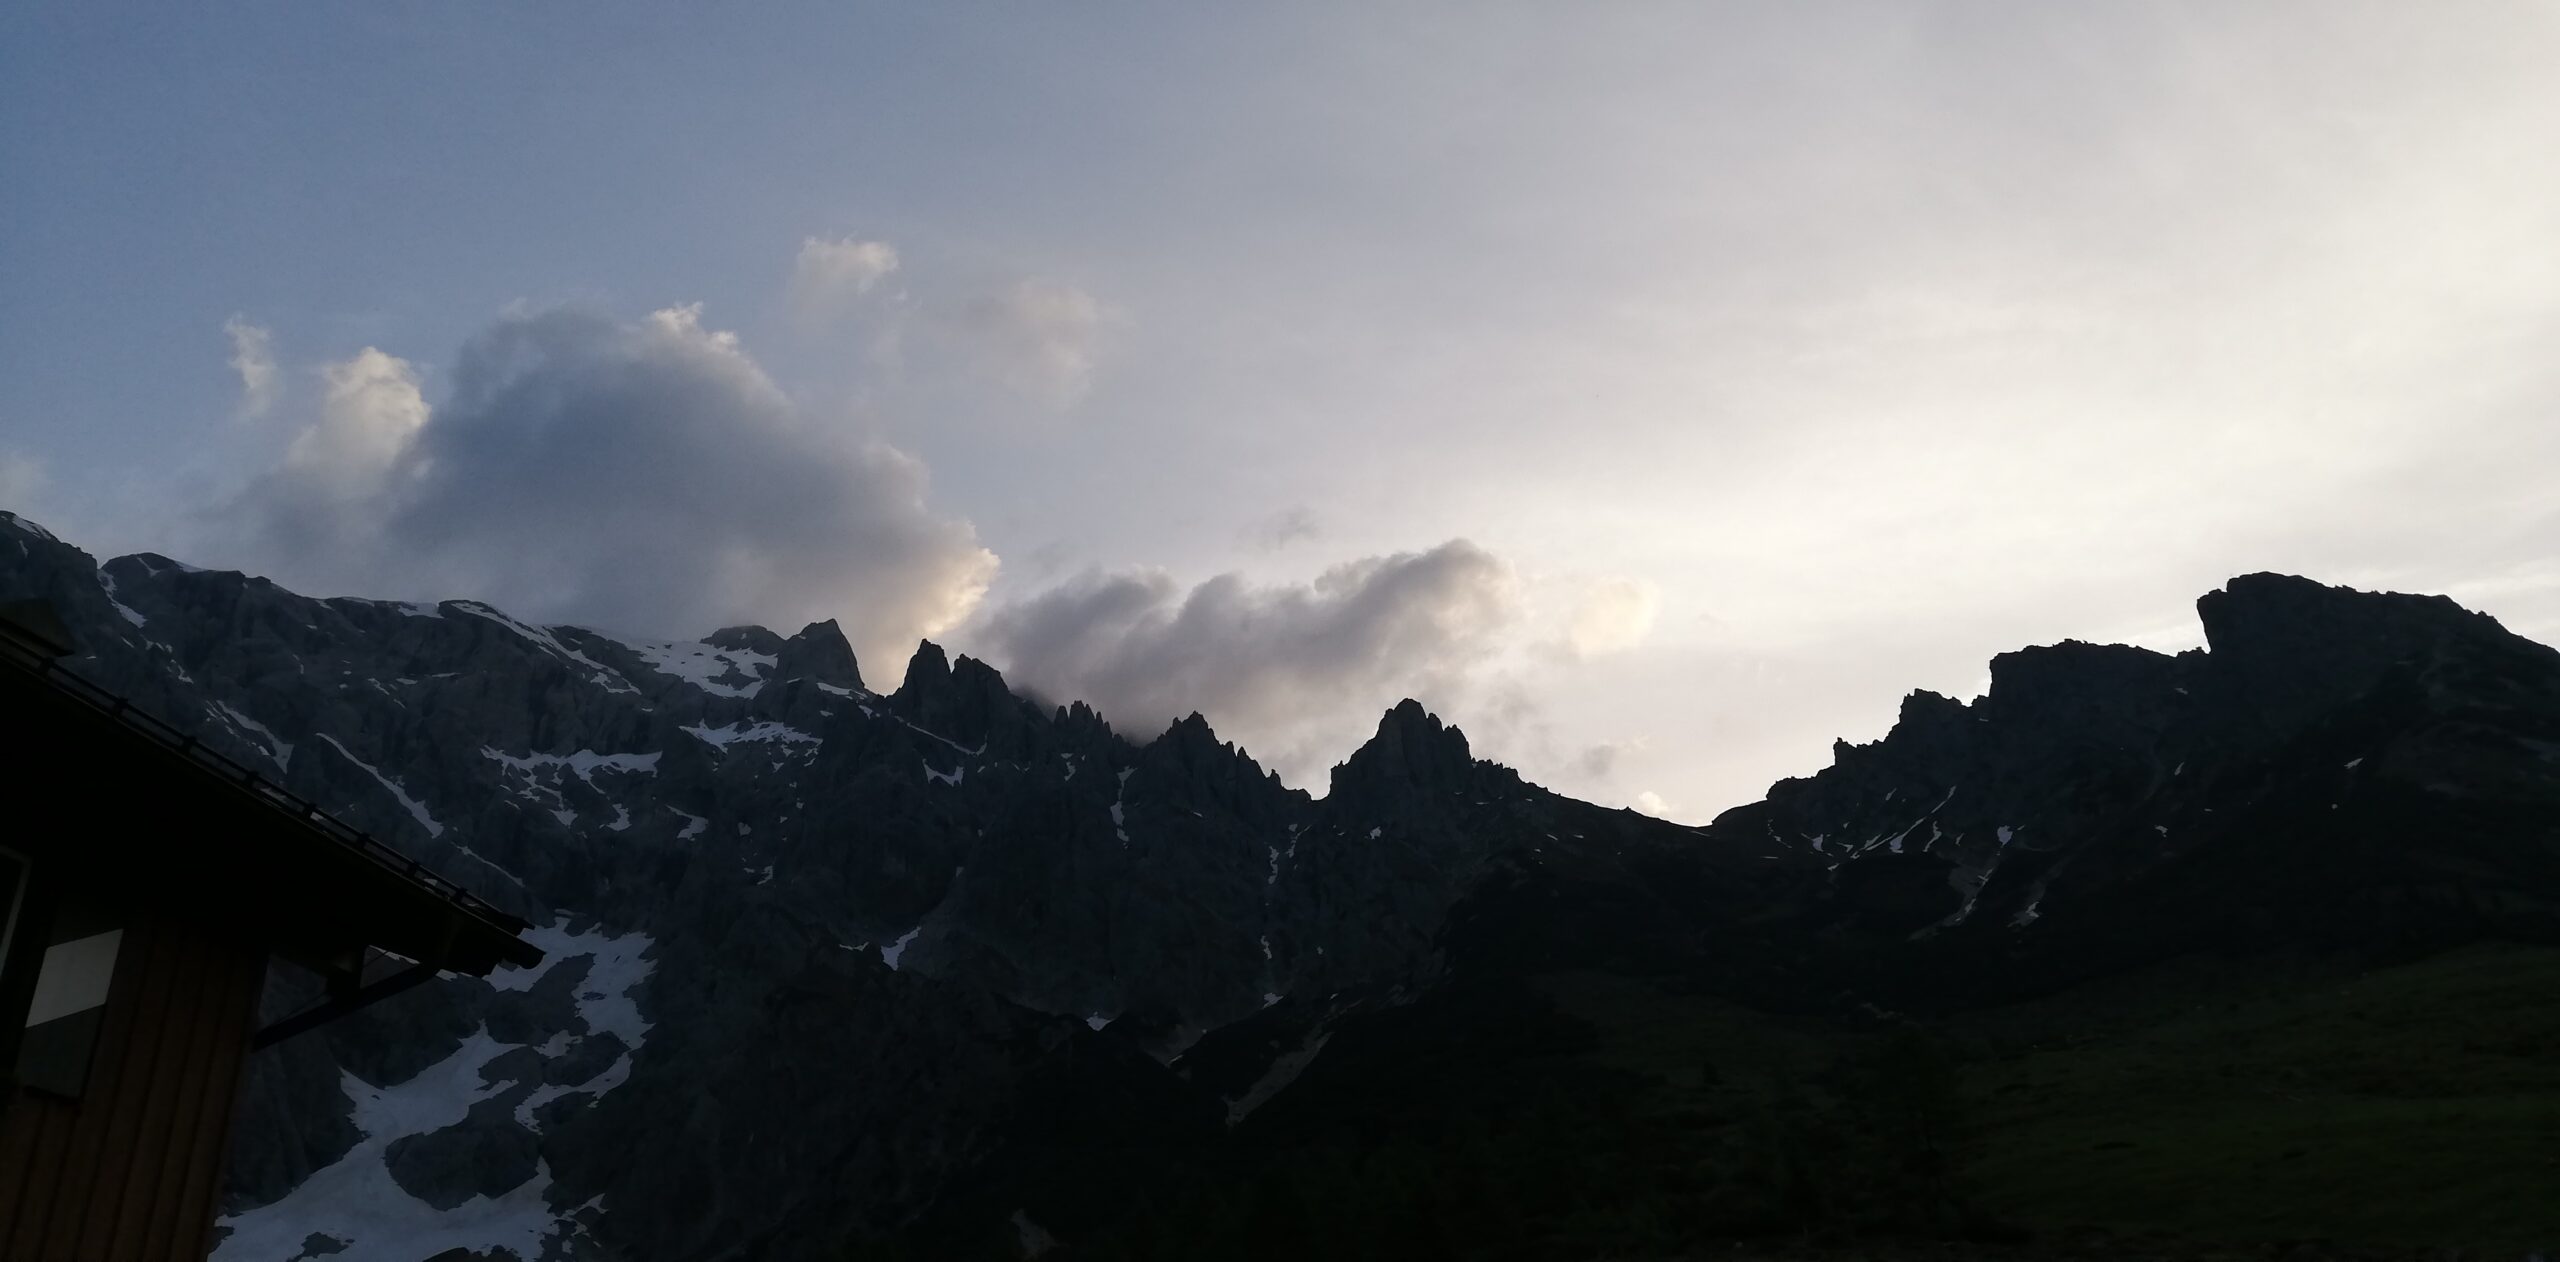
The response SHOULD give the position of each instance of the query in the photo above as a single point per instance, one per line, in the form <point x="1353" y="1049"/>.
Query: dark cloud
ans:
<point x="1598" y="761"/>
<point x="635" y="476"/>
<point x="1264" y="662"/>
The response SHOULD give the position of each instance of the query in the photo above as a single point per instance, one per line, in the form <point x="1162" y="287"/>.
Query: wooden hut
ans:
<point x="145" y="884"/>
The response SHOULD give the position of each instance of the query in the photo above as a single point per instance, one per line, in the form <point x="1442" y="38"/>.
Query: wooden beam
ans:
<point x="340" y="1004"/>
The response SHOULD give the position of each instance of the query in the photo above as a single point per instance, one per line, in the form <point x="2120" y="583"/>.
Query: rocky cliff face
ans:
<point x="804" y="936"/>
<point x="2336" y="767"/>
<point x="819" y="955"/>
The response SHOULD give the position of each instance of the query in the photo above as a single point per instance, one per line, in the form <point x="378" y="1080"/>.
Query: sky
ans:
<point x="1657" y="391"/>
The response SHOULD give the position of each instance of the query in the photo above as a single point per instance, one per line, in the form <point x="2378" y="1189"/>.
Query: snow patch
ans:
<point x="1283" y="1071"/>
<point x="542" y="638"/>
<point x="606" y="1001"/>
<point x="705" y="665"/>
<point x="951" y="777"/>
<point x="355" y="1201"/>
<point x="417" y="810"/>
<point x="2028" y="914"/>
<point x="742" y="732"/>
<point x="891" y="953"/>
<point x="107" y="583"/>
<point x="584" y="764"/>
<point x="278" y="749"/>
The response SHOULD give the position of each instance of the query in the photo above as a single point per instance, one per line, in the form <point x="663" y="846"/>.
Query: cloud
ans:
<point x="1614" y="614"/>
<point x="1281" y="529"/>
<point x="1651" y="803"/>
<point x="644" y="477"/>
<point x="370" y="413"/>
<point x="829" y="275"/>
<point x="1038" y="337"/>
<point x="1599" y="762"/>
<point x="1285" y="667"/>
<point x="253" y="357"/>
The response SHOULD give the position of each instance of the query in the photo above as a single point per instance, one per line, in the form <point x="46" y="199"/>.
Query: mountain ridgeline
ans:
<point x="937" y="971"/>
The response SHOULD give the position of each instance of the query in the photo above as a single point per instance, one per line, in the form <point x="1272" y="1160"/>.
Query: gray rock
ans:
<point x="485" y="1154"/>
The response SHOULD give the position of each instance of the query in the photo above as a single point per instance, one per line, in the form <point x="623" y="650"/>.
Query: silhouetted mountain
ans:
<point x="953" y="967"/>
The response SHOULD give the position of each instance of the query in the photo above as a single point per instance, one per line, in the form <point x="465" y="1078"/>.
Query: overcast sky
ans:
<point x="1657" y="391"/>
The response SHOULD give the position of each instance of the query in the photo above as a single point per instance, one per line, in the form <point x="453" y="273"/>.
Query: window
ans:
<point x="70" y="999"/>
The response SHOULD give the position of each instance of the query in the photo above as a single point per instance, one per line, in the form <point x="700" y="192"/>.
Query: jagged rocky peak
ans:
<point x="1926" y="709"/>
<point x="927" y="672"/>
<point x="1209" y="770"/>
<point x="2289" y="646"/>
<point x="1413" y="751"/>
<point x="819" y="652"/>
<point x="966" y="701"/>
<point x="748" y="639"/>
<point x="154" y="565"/>
<point x="2082" y="693"/>
<point x="2039" y="676"/>
<point x="2268" y="614"/>
<point x="1080" y="724"/>
<point x="1190" y="737"/>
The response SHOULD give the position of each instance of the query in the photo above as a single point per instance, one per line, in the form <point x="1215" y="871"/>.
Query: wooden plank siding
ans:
<point x="130" y="1171"/>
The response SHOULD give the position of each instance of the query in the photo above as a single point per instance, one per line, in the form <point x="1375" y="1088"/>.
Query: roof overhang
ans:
<point x="117" y="798"/>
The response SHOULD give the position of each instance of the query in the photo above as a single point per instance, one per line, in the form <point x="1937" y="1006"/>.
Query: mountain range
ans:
<point x="2253" y="943"/>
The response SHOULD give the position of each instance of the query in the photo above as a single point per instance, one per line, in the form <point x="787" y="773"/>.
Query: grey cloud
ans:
<point x="829" y="275"/>
<point x="1283" y="528"/>
<point x="253" y="358"/>
<point x="1597" y="761"/>
<point x="1039" y="337"/>
<point x="1279" y="666"/>
<point x="1601" y="762"/>
<point x="641" y="476"/>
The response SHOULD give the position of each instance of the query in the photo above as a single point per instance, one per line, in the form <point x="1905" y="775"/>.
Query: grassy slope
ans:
<point x="2410" y="1106"/>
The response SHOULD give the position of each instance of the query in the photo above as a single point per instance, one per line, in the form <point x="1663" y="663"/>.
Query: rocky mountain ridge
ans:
<point x="820" y="954"/>
<point x="729" y="819"/>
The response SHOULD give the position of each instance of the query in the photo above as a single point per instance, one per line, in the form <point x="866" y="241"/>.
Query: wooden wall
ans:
<point x="130" y="1171"/>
